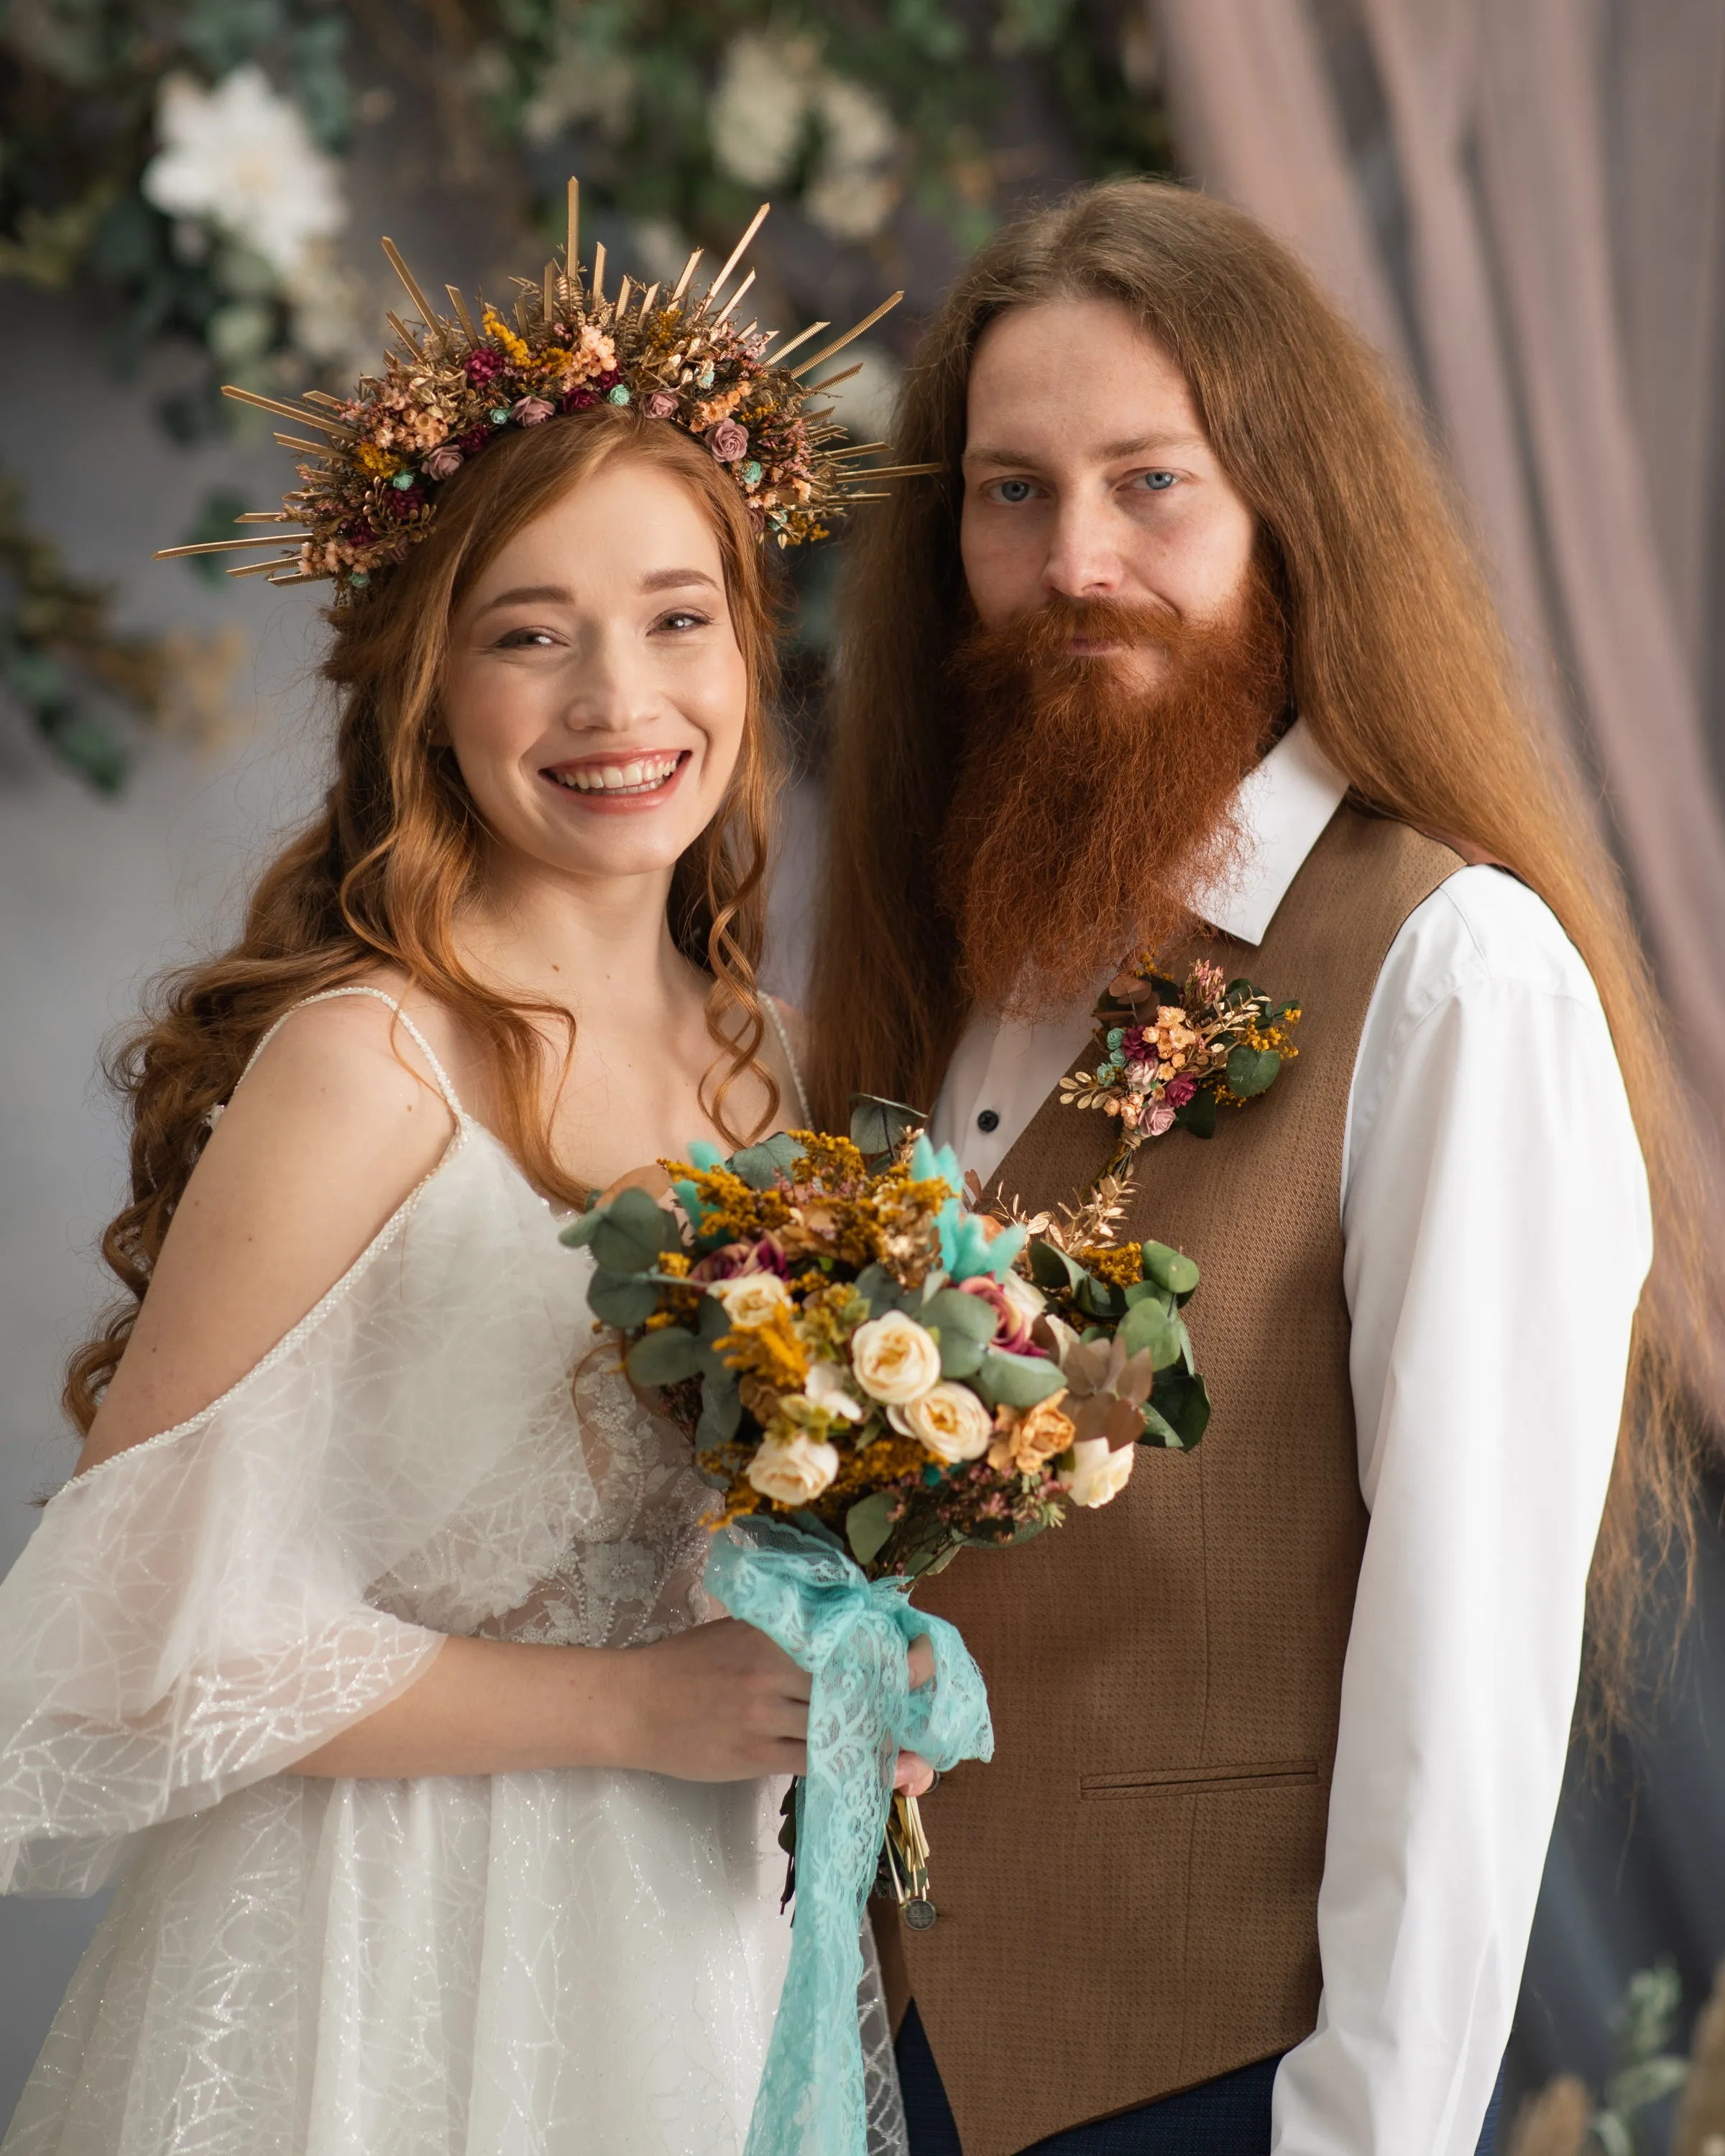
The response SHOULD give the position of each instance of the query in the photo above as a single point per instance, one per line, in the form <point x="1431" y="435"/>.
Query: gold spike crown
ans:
<point x="369" y="489"/>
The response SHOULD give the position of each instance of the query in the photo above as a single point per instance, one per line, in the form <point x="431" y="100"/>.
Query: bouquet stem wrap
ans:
<point x="851" y="1635"/>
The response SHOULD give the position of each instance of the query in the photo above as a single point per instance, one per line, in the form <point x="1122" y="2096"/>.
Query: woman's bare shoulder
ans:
<point x="337" y="1121"/>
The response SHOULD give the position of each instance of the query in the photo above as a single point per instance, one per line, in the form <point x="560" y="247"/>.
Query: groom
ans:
<point x="1182" y="653"/>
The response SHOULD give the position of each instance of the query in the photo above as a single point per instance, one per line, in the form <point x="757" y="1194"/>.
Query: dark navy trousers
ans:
<point x="1230" y="2116"/>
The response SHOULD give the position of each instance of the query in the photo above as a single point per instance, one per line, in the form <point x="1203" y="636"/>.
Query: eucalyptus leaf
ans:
<point x="1181" y="1403"/>
<point x="1199" y="1116"/>
<point x="620" y="1299"/>
<point x="1016" y="1381"/>
<point x="761" y="1166"/>
<point x="579" y="1233"/>
<point x="1252" y="1071"/>
<point x="1169" y="1269"/>
<point x="1098" y="1298"/>
<point x="877" y="1125"/>
<point x="631" y="1232"/>
<point x="712" y="1319"/>
<point x="1148" y="1328"/>
<point x="1148" y="1291"/>
<point x="954" y="1312"/>
<point x="867" y="1526"/>
<point x="720" y="1411"/>
<point x="666" y="1357"/>
<point x="882" y="1291"/>
<point x="1052" y="1268"/>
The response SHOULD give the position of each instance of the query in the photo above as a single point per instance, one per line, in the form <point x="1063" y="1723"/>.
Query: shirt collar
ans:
<point x="1284" y="805"/>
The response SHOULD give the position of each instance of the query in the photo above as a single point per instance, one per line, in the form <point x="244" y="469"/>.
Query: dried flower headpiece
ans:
<point x="368" y="491"/>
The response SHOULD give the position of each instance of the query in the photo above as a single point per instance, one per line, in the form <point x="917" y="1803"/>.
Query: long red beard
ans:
<point x="1090" y="808"/>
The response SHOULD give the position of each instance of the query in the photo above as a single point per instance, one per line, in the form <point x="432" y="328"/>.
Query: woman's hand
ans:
<point x="716" y="1703"/>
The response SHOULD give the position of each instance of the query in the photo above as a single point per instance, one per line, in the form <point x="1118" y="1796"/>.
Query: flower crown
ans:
<point x="369" y="489"/>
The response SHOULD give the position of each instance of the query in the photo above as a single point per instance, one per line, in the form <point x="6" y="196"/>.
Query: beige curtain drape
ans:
<point x="1560" y="171"/>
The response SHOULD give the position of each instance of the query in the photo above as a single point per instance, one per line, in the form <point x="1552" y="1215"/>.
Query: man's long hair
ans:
<point x="1398" y="664"/>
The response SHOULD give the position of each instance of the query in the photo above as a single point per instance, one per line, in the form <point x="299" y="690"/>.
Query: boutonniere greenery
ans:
<point x="1173" y="1053"/>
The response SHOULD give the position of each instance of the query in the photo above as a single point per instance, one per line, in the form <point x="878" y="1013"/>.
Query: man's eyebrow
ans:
<point x="1110" y="452"/>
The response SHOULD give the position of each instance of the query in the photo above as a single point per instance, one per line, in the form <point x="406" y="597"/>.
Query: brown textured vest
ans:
<point x="1128" y="1894"/>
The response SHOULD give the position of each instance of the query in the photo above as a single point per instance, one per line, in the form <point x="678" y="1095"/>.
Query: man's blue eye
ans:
<point x="1159" y="482"/>
<point x="1015" y="489"/>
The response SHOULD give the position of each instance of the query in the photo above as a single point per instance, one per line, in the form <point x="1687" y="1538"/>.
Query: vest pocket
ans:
<point x="1197" y="1781"/>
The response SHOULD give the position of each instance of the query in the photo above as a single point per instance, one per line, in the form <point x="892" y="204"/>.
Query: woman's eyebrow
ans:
<point x="663" y="580"/>
<point x="527" y="595"/>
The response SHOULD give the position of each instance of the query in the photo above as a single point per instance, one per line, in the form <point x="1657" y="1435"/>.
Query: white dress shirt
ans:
<point x="1496" y="1232"/>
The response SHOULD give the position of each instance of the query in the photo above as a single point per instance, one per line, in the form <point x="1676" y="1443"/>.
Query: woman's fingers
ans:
<point x="921" y="1661"/>
<point x="912" y="1775"/>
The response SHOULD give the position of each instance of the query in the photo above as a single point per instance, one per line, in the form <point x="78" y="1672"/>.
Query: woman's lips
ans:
<point x="621" y="782"/>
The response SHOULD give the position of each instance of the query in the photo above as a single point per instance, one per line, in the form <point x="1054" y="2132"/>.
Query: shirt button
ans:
<point x="987" y="1121"/>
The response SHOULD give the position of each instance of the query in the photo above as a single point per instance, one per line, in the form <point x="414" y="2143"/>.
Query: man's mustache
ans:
<point x="1063" y="632"/>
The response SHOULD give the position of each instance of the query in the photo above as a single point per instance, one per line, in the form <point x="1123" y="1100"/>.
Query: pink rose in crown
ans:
<point x="443" y="461"/>
<point x="532" y="411"/>
<point x="662" y="405"/>
<point x="729" y="442"/>
<point x="1179" y="1089"/>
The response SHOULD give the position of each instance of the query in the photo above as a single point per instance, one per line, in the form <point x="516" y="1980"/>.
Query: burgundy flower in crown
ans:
<point x="452" y="385"/>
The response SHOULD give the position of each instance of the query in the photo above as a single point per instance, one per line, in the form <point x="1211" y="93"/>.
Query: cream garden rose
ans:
<point x="895" y="1359"/>
<point x="1098" y="1472"/>
<point x="751" y="1298"/>
<point x="793" y="1470"/>
<point x="825" y="1388"/>
<point x="949" y="1420"/>
<point x="1025" y="1299"/>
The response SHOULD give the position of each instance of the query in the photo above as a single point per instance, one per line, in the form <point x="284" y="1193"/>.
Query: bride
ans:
<point x="367" y="1646"/>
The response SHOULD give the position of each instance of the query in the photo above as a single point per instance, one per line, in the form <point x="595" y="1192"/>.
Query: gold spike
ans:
<point x="290" y="412"/>
<point x="263" y="568"/>
<point x="571" y="248"/>
<point x="301" y="577"/>
<point x="802" y="337"/>
<point x="216" y="547"/>
<point x="832" y="381"/>
<point x="756" y="222"/>
<point x="843" y="497"/>
<point x="647" y="299"/>
<point x="858" y="449"/>
<point x="548" y="294"/>
<point x="312" y="448"/>
<point x="688" y="272"/>
<point x="732" y="300"/>
<point x="839" y="344"/>
<point x="412" y="291"/>
<point x="521" y="312"/>
<point x="322" y="397"/>
<point x="598" y="273"/>
<point x="896" y="471"/>
<point x="459" y="305"/>
<point x="406" y="334"/>
<point x="269" y="516"/>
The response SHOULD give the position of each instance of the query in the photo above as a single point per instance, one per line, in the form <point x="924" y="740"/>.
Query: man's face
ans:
<point x="1086" y="474"/>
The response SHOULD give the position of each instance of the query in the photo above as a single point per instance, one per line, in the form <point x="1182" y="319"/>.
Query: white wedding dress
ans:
<point x="578" y="1962"/>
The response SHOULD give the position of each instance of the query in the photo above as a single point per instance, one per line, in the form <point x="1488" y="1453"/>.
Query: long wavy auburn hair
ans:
<point x="377" y="878"/>
<point x="1399" y="664"/>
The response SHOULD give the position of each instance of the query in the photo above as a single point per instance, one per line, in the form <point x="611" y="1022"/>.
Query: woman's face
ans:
<point x="595" y="695"/>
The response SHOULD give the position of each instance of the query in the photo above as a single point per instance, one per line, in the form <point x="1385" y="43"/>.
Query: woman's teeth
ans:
<point x="643" y="776"/>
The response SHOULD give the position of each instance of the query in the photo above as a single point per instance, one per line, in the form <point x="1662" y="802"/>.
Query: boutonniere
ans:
<point x="1173" y="1052"/>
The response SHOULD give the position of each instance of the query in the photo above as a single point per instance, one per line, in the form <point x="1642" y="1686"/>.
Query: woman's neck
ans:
<point x="589" y="944"/>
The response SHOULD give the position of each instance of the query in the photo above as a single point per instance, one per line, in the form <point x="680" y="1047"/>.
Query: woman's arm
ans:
<point x="319" y="1146"/>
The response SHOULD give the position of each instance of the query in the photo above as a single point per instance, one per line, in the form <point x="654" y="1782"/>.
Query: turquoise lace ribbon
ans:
<point x="850" y="1634"/>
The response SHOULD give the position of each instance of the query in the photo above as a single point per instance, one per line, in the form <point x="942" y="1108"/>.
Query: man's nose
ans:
<point x="1083" y="561"/>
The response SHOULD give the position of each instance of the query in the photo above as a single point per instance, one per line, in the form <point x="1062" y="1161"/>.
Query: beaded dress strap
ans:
<point x="790" y="1055"/>
<point x="413" y="1032"/>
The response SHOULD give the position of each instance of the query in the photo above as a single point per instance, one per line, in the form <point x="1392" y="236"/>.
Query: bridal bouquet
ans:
<point x="874" y="1376"/>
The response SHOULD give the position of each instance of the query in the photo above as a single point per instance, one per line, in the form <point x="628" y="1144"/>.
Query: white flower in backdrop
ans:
<point x="769" y="89"/>
<point x="760" y="107"/>
<point x="855" y="188"/>
<point x="240" y="157"/>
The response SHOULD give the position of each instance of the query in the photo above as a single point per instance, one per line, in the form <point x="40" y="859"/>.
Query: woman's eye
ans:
<point x="682" y="619"/>
<point x="1012" y="491"/>
<point x="523" y="639"/>
<point x="1157" y="482"/>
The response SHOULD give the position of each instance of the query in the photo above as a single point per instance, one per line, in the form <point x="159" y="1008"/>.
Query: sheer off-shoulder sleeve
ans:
<point x="204" y="1609"/>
